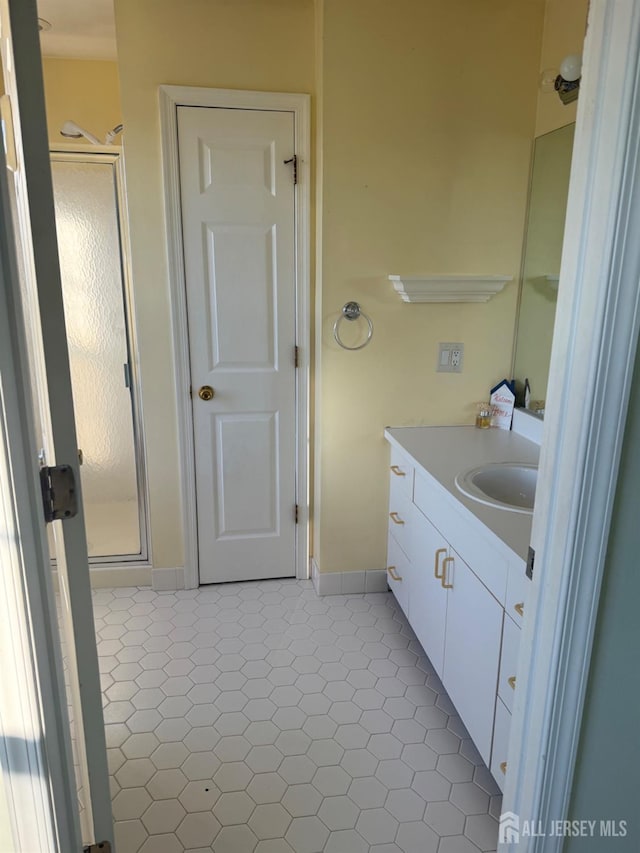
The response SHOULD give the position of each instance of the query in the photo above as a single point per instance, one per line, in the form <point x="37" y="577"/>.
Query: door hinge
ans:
<point x="295" y="356"/>
<point x="531" y="557"/>
<point x="293" y="160"/>
<point x="99" y="847"/>
<point x="59" y="497"/>
<point x="296" y="513"/>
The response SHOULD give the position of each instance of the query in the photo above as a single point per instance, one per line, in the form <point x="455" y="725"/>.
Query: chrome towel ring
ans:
<point x="352" y="311"/>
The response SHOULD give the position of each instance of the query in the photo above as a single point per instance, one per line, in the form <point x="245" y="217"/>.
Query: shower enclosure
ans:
<point x="92" y="235"/>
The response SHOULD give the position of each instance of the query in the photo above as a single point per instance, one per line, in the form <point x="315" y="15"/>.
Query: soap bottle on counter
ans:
<point x="483" y="416"/>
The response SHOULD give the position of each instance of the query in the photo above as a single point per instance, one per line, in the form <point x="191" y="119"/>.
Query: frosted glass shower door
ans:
<point x="91" y="263"/>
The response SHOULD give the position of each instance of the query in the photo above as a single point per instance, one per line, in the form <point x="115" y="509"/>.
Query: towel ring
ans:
<point x="351" y="311"/>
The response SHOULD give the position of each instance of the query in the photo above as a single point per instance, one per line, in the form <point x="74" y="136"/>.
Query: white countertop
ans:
<point x="443" y="452"/>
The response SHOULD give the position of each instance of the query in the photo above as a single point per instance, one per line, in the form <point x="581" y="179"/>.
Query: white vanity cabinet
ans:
<point x="454" y="585"/>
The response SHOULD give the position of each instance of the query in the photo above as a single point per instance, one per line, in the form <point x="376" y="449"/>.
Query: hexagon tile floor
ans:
<point x="259" y="718"/>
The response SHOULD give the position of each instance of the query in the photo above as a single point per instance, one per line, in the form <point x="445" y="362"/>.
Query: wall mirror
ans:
<point x="541" y="261"/>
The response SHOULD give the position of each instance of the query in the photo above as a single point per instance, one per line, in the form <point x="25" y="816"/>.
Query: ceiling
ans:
<point x="80" y="29"/>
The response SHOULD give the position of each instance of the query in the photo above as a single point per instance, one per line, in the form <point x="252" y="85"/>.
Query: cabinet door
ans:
<point x="509" y="661"/>
<point x="472" y="651"/>
<point x="428" y="602"/>
<point x="398" y="574"/>
<point x="500" y="744"/>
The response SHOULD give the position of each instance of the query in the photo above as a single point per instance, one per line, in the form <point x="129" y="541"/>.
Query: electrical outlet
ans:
<point x="450" y="356"/>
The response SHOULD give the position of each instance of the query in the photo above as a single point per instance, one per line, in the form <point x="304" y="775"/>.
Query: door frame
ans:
<point x="172" y="97"/>
<point x="594" y="348"/>
<point x="35" y="235"/>
<point x="41" y="810"/>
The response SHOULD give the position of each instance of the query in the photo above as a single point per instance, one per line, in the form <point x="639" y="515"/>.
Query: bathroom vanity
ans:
<point x="457" y="569"/>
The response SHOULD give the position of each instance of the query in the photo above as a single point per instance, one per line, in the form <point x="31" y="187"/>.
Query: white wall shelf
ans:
<point x="448" y="288"/>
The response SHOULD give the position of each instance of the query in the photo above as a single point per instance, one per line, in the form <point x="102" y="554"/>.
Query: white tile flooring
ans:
<point x="259" y="718"/>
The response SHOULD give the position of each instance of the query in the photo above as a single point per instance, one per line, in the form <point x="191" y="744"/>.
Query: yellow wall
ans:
<point x="423" y="158"/>
<point x="84" y="91"/>
<point x="426" y="150"/>
<point x="255" y="44"/>
<point x="564" y="31"/>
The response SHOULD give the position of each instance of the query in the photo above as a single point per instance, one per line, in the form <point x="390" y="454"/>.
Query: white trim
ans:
<point x="593" y="352"/>
<point x="448" y="288"/>
<point x="113" y="575"/>
<point x="348" y="583"/>
<point x="125" y="575"/>
<point x="164" y="580"/>
<point x="170" y="98"/>
<point x="36" y="237"/>
<point x="34" y="725"/>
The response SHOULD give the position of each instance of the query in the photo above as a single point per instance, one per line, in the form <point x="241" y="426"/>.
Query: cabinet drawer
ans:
<point x="501" y="728"/>
<point x="398" y="573"/>
<point x="509" y="661"/>
<point x="518" y="586"/>
<point x="400" y="518"/>
<point x="401" y="473"/>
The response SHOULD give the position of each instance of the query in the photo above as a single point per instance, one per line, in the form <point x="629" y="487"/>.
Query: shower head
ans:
<point x="71" y="130"/>
<point x="108" y="140"/>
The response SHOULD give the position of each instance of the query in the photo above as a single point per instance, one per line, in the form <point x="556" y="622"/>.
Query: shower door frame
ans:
<point x="112" y="155"/>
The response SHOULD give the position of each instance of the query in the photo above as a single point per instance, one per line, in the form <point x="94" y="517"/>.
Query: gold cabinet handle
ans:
<point x="435" y="568"/>
<point x="443" y="579"/>
<point x="396" y="470"/>
<point x="503" y="767"/>
<point x="519" y="608"/>
<point x="395" y="518"/>
<point x="394" y="574"/>
<point x="206" y="393"/>
<point x="511" y="681"/>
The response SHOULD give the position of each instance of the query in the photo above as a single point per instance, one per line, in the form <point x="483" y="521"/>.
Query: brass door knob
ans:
<point x="206" y="392"/>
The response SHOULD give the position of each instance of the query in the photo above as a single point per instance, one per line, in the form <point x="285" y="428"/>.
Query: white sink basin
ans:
<point x="507" y="485"/>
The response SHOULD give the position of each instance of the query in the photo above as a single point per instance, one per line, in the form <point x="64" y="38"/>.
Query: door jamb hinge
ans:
<point x="296" y="353"/>
<point x="296" y="513"/>
<point x="293" y="160"/>
<point x="98" y="847"/>
<point x="59" y="493"/>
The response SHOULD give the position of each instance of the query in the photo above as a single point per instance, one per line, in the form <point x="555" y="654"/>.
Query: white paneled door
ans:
<point x="238" y="223"/>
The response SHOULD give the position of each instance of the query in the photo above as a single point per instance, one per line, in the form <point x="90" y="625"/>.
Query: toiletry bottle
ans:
<point x="483" y="417"/>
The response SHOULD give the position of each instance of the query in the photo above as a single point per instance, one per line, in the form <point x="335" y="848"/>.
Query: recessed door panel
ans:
<point x="242" y="279"/>
<point x="237" y="162"/>
<point x="247" y="467"/>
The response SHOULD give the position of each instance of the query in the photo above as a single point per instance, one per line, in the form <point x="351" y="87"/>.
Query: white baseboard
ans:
<point x="119" y="575"/>
<point x="348" y="583"/>
<point x="164" y="580"/>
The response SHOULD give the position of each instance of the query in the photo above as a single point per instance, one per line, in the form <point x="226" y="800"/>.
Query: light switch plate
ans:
<point x="450" y="358"/>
